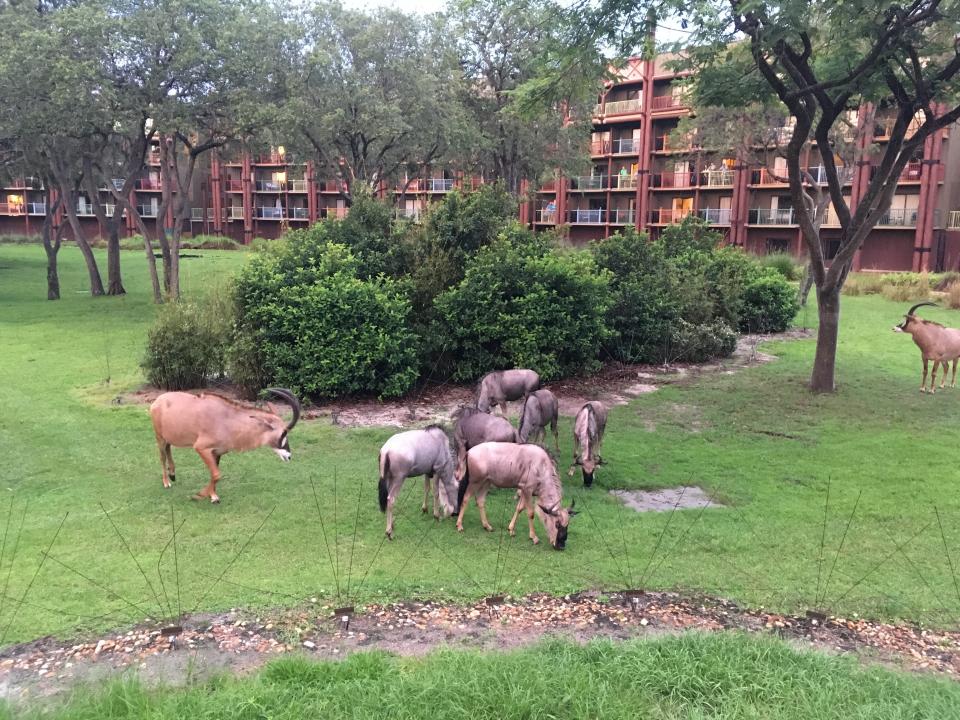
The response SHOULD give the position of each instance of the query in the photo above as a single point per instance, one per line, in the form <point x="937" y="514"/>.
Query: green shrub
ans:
<point x="702" y="342"/>
<point x="186" y="345"/>
<point x="318" y="326"/>
<point x="769" y="304"/>
<point x="783" y="263"/>
<point x="523" y="304"/>
<point x="17" y="239"/>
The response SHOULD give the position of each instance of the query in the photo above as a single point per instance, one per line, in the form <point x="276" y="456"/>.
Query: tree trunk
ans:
<point x="96" y="283"/>
<point x="114" y="281"/>
<point x="824" y="362"/>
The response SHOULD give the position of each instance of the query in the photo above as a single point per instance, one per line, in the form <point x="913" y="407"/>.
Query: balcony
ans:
<point x="545" y="217"/>
<point x="271" y="159"/>
<point x="327" y="186"/>
<point x="953" y="220"/>
<point x="268" y="213"/>
<point x="898" y="218"/>
<point x="587" y="183"/>
<point x="667" y="216"/>
<point x="235" y="212"/>
<point x="674" y="180"/>
<point x="716" y="178"/>
<point x="767" y="177"/>
<point x="626" y="146"/>
<point x="36" y="208"/>
<point x="623" y="182"/>
<point x="147" y="211"/>
<point x="232" y="185"/>
<point x="439" y="185"/>
<point x="147" y="184"/>
<point x="715" y="216"/>
<point x="663" y="143"/>
<point x="299" y="213"/>
<point x="661" y="103"/>
<point x="620" y="107"/>
<point x="328" y="213"/>
<point x="621" y="217"/>
<point x="411" y="214"/>
<point x="298" y="186"/>
<point x="549" y="186"/>
<point x="771" y="216"/>
<point x="11" y="208"/>
<point x="25" y="183"/>
<point x="599" y="147"/>
<point x="84" y="210"/>
<point x="198" y="214"/>
<point x="269" y="186"/>
<point x="586" y="217"/>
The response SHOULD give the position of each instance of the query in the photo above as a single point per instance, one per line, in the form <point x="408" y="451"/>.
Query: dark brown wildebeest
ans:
<point x="213" y="426"/>
<point x="472" y="427"/>
<point x="417" y="452"/>
<point x="588" y="429"/>
<point x="499" y="387"/>
<point x="539" y="410"/>
<point x="529" y="469"/>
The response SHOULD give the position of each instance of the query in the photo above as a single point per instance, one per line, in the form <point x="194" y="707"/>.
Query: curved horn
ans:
<point x="911" y="310"/>
<point x="291" y="400"/>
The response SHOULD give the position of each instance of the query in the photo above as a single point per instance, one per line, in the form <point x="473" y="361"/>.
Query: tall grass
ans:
<point x="783" y="263"/>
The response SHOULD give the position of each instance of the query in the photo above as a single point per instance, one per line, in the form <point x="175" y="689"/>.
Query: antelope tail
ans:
<point x="464" y="482"/>
<point x="382" y="487"/>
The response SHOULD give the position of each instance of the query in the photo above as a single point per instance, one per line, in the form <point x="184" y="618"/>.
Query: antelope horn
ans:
<point x="291" y="400"/>
<point x="910" y="311"/>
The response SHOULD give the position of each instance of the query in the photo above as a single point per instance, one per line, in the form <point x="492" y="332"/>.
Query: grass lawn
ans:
<point x="694" y="676"/>
<point x="755" y="439"/>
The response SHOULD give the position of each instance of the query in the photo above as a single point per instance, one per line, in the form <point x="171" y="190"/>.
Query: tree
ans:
<point x="372" y="97"/>
<point x="819" y="60"/>
<point x="501" y="44"/>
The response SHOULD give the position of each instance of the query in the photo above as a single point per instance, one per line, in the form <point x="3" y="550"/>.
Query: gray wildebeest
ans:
<point x="588" y="429"/>
<point x="213" y="426"/>
<point x="529" y="469"/>
<point x="417" y="452"/>
<point x="936" y="342"/>
<point x="539" y="410"/>
<point x="472" y="427"/>
<point x="499" y="387"/>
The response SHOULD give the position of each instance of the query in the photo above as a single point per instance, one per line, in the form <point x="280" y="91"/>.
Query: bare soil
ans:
<point x="666" y="499"/>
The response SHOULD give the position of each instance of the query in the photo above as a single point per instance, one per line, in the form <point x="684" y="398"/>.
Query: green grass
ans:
<point x="756" y="439"/>
<point x="694" y="676"/>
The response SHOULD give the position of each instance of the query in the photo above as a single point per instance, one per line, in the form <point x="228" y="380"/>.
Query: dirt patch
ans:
<point x="678" y="498"/>
<point x="614" y="384"/>
<point x="240" y="642"/>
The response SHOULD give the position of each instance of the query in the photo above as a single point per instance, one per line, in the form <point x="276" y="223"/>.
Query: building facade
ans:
<point x="639" y="178"/>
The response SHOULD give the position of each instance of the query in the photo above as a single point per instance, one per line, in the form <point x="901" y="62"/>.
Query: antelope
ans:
<point x="588" y="429"/>
<point x="529" y="469"/>
<point x="540" y="408"/>
<point x="499" y="387"/>
<point x="472" y="427"/>
<point x="936" y="342"/>
<point x="409" y="454"/>
<point x="213" y="426"/>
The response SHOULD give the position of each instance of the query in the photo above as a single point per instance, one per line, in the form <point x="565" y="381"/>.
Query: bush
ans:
<point x="312" y="323"/>
<point x="769" y="304"/>
<point x="522" y="304"/>
<point x="953" y="295"/>
<point x="783" y="263"/>
<point x="905" y="286"/>
<point x="187" y="343"/>
<point x="699" y="343"/>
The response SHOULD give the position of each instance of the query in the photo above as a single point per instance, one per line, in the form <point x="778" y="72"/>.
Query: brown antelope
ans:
<point x="529" y="469"/>
<point x="213" y="426"/>
<point x="472" y="427"/>
<point x="497" y="388"/>
<point x="540" y="408"/>
<point x="936" y="342"/>
<point x="588" y="429"/>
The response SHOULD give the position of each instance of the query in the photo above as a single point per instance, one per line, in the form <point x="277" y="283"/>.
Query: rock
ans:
<point x="309" y="644"/>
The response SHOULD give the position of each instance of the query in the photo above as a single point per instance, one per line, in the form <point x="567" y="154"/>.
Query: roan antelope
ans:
<point x="936" y="342"/>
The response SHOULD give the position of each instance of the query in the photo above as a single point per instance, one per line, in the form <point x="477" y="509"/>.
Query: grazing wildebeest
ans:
<point x="499" y="387"/>
<point x="539" y="410"/>
<point x="472" y="427"/>
<point x="213" y="426"/>
<point x="529" y="469"/>
<point x="936" y="342"/>
<point x="588" y="430"/>
<point x="417" y="452"/>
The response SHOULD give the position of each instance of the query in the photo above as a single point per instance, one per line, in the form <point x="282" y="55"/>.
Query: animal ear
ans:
<point x="551" y="513"/>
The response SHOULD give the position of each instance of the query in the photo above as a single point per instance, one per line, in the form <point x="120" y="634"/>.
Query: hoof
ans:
<point x="488" y="528"/>
<point x="424" y="509"/>
<point x="215" y="500"/>
<point x="173" y="478"/>
<point x="535" y="540"/>
<point x="460" y="528"/>
<point x="389" y="536"/>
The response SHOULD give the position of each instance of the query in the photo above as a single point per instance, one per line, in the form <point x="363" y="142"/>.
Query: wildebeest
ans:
<point x="588" y="429"/>
<point x="529" y="469"/>
<point x="417" y="452"/>
<point x="499" y="387"/>
<point x="213" y="426"/>
<point x="472" y="427"/>
<point x="540" y="409"/>
<point x="936" y="342"/>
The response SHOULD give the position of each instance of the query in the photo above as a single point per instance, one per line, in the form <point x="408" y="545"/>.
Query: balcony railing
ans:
<point x="11" y="208"/>
<point x="233" y="185"/>
<point x="623" y="182"/>
<point x="298" y="186"/>
<point x="589" y="182"/>
<point x="36" y="208"/>
<point x="147" y="211"/>
<point x="84" y="210"/>
<point x="235" y="213"/>
<point x="716" y="178"/>
<point x="299" y="213"/>
<point x="268" y="213"/>
<point x="626" y="146"/>
<point x="621" y="217"/>
<point x="408" y="213"/>
<point x="599" y="147"/>
<point x="545" y="217"/>
<point x="586" y="217"/>
<point x="771" y="216"/>
<point x="899" y="218"/>
<point x="271" y="186"/>
<point x="674" y="180"/>
<point x="621" y="107"/>
<point x="147" y="184"/>
<point x="26" y="183"/>
<point x="663" y="143"/>
<point x="198" y="214"/>
<point x="767" y="177"/>
<point x="667" y="216"/>
<point x="439" y="185"/>
<point x="339" y="212"/>
<point x="271" y="159"/>
<point x="665" y="102"/>
<point x="715" y="216"/>
<point x="953" y="220"/>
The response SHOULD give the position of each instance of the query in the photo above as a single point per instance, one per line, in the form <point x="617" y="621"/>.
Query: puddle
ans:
<point x="681" y="498"/>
